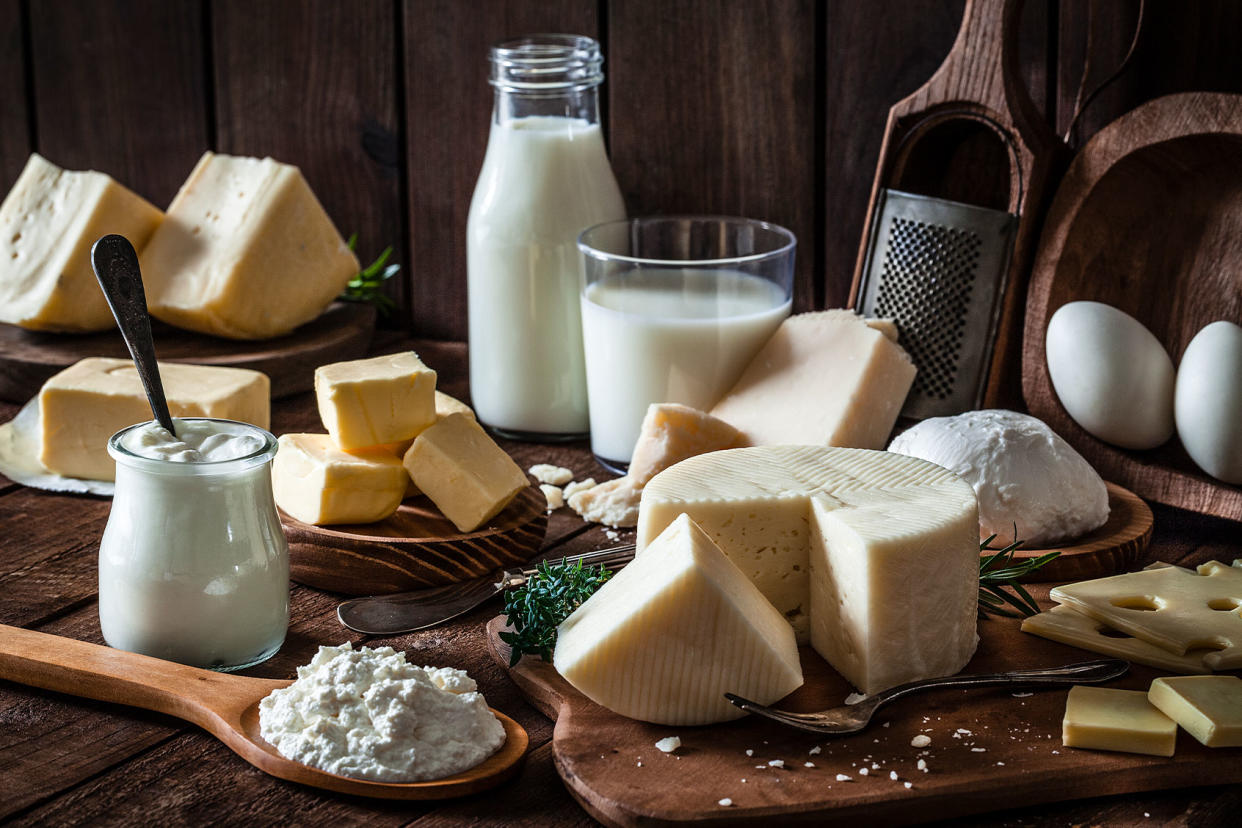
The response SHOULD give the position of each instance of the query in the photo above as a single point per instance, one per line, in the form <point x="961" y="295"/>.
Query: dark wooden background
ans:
<point x="767" y="108"/>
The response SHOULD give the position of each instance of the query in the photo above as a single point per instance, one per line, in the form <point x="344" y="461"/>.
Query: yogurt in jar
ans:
<point x="193" y="564"/>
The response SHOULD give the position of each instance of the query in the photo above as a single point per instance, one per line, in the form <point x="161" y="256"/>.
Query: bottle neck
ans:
<point x="577" y="104"/>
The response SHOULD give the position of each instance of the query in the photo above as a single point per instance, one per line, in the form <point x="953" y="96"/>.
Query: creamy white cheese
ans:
<point x="369" y="714"/>
<point x="196" y="441"/>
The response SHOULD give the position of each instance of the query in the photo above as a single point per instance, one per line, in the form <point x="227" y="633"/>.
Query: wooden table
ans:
<point x="64" y="760"/>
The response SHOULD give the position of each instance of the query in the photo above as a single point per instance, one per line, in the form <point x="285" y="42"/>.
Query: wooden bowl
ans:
<point x="1148" y="219"/>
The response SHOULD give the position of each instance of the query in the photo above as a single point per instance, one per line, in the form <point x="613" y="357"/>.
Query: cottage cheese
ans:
<point x="369" y="714"/>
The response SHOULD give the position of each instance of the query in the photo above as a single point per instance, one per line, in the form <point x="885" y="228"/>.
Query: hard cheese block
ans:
<point x="825" y="378"/>
<point x="1121" y="720"/>
<point x="872" y="556"/>
<point x="316" y="482"/>
<point x="1071" y="627"/>
<point x="668" y="635"/>
<point x="246" y="251"/>
<point x="48" y="222"/>
<point x="369" y="402"/>
<point x="88" y="402"/>
<point x="1207" y="707"/>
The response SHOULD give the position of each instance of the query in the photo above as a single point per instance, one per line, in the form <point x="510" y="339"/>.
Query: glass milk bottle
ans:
<point x="545" y="179"/>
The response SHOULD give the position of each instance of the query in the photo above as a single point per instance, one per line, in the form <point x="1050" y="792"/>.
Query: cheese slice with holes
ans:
<point x="1207" y="707"/>
<point x="1123" y="720"/>
<point x="1068" y="626"/>
<point x="872" y="556"/>
<point x="672" y="632"/>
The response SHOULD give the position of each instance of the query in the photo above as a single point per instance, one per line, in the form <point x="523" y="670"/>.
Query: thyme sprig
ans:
<point x="368" y="285"/>
<point x="998" y="574"/>
<point x="548" y="597"/>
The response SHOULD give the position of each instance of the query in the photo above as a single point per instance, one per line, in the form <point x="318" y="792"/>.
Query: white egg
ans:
<point x="1208" y="401"/>
<point x="1112" y="375"/>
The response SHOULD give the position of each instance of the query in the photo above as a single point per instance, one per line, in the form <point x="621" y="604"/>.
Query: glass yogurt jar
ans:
<point x="193" y="564"/>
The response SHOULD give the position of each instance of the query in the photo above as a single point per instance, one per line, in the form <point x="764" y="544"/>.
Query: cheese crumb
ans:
<point x="776" y="763"/>
<point x="920" y="741"/>
<point x="843" y="778"/>
<point x="725" y="803"/>
<point x="922" y="765"/>
<point x="978" y="750"/>
<point x="863" y="771"/>
<point x="579" y="486"/>
<point x="554" y="475"/>
<point x="808" y="764"/>
<point x="892" y="775"/>
<point x="640" y="764"/>
<point x="815" y="750"/>
<point x="669" y="744"/>
<point x="554" y="496"/>
<point x="855" y="698"/>
<point x="964" y="731"/>
<point x="749" y="752"/>
<point x="909" y="785"/>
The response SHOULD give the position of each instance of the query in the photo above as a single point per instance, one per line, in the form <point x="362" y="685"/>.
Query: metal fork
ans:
<point x="841" y="721"/>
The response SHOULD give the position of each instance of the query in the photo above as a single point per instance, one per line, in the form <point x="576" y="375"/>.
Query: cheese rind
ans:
<point x="668" y="635"/>
<point x="85" y="404"/>
<point x="316" y="482"/>
<point x="1122" y="720"/>
<point x="1207" y="707"/>
<point x="370" y="402"/>
<point x="1068" y="626"/>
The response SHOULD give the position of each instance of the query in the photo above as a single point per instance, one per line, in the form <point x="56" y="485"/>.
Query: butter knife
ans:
<point x="404" y="612"/>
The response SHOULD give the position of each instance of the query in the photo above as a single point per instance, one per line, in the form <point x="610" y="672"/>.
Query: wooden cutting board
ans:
<point x="991" y="749"/>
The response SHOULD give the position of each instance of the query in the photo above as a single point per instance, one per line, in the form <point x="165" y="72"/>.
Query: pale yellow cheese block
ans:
<point x="1122" y="720"/>
<point x="466" y="475"/>
<point x="1207" y="707"/>
<point x="370" y="402"/>
<point x="1068" y="626"/>
<point x="246" y="251"/>
<point x="669" y="634"/>
<point x="48" y="222"/>
<point x="445" y="405"/>
<point x="826" y="378"/>
<point x="316" y="482"/>
<point x="88" y="402"/>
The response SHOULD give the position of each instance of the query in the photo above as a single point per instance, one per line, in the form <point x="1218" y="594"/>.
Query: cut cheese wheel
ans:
<point x="872" y="556"/>
<point x="670" y="634"/>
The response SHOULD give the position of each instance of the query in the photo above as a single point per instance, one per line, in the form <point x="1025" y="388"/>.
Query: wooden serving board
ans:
<point x="343" y="331"/>
<point x="415" y="548"/>
<point x="991" y="749"/>
<point x="1115" y="547"/>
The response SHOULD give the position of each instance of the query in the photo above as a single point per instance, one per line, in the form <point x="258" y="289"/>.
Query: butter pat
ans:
<point x="466" y="475"/>
<point x="369" y="402"/>
<point x="669" y="634"/>
<point x="1123" y="720"/>
<point x="1207" y="707"/>
<point x="48" y="222"/>
<point x="246" y="251"/>
<point x="88" y="402"/>
<point x="316" y="482"/>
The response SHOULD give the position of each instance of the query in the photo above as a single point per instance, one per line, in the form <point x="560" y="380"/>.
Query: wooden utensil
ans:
<point x="226" y="706"/>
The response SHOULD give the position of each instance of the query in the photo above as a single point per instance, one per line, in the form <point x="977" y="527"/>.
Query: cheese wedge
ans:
<point x="88" y="402"/>
<point x="369" y="402"/>
<point x="316" y="482"/>
<point x="48" y="222"/>
<point x="1123" y="720"/>
<point x="672" y="632"/>
<point x="1207" y="707"/>
<point x="246" y="251"/>
<point x="872" y="556"/>
<point x="1068" y="626"/>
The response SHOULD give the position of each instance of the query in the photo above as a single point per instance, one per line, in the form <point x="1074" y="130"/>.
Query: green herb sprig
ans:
<point x="998" y="574"/>
<point x="368" y="285"/>
<point x="538" y="607"/>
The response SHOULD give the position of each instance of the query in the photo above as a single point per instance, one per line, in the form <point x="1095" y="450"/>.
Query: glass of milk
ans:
<point x="672" y="310"/>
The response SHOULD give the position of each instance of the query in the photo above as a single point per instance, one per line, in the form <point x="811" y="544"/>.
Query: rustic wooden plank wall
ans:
<point x="773" y="110"/>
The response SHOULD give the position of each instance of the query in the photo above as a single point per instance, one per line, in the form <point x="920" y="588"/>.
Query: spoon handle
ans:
<point x="116" y="268"/>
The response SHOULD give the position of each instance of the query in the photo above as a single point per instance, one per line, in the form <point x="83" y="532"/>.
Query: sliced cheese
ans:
<point x="670" y="634"/>
<point x="48" y="222"/>
<point x="88" y="402"/>
<point x="872" y="556"/>
<point x="369" y="402"/>
<point x="825" y="378"/>
<point x="316" y="482"/>
<point x="1121" y="720"/>
<point x="246" y="251"/>
<point x="1207" y="707"/>
<point x="1068" y="626"/>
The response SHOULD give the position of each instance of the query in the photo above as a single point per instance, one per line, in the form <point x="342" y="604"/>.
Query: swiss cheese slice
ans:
<point x="1068" y="626"/>
<point x="316" y="482"/>
<point x="1123" y="720"/>
<point x="672" y="632"/>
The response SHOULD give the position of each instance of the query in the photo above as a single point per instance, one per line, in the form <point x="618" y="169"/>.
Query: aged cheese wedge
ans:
<point x="246" y="251"/>
<point x="48" y="222"/>
<point x="825" y="378"/>
<point x="1207" y="707"/>
<point x="872" y="556"/>
<point x="1174" y="608"/>
<point x="1122" y="720"/>
<point x="667" y="636"/>
<point x="316" y="482"/>
<point x="369" y="402"/>
<point x="1068" y="626"/>
<point x="88" y="402"/>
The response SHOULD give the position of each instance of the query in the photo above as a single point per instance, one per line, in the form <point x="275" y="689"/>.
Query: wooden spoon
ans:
<point x="227" y="706"/>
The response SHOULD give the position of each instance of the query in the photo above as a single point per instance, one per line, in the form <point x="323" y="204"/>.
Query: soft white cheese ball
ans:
<point x="1022" y="472"/>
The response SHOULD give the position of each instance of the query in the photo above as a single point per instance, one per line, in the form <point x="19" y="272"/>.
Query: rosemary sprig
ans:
<point x="538" y="607"/>
<point x="368" y="285"/>
<point x="998" y="573"/>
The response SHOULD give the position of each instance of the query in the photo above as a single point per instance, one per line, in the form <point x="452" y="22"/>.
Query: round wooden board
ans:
<point x="415" y="548"/>
<point x="343" y="331"/>
<point x="1114" y="547"/>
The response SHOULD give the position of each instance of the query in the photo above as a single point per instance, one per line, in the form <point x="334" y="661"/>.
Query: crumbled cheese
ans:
<point x="922" y="765"/>
<point x="815" y="750"/>
<point x="909" y="785"/>
<point x="964" y="731"/>
<point x="669" y="744"/>
<point x="554" y="475"/>
<point x="579" y="486"/>
<point x="855" y="698"/>
<point x="843" y="778"/>
<point x="978" y="750"/>
<point x="749" y="752"/>
<point x="863" y="771"/>
<point x="776" y="763"/>
<point x="808" y="764"/>
<point x="892" y="775"/>
<point x="920" y="741"/>
<point x="554" y="496"/>
<point x="725" y="803"/>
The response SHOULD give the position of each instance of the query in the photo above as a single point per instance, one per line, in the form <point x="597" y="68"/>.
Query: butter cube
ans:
<point x="1121" y="720"/>
<point x="316" y="482"/>
<point x="88" y="402"/>
<point x="463" y="471"/>
<point x="445" y="405"/>
<point x="246" y="251"/>
<point x="368" y="402"/>
<point x="1208" y="707"/>
<point x="48" y="222"/>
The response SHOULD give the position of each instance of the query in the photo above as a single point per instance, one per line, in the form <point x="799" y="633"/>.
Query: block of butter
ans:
<point x="369" y="402"/>
<point x="48" y="222"/>
<point x="88" y="402"/>
<point x="1123" y="720"/>
<point x="445" y="405"/>
<point x="316" y="482"/>
<point x="1207" y="707"/>
<point x="463" y="471"/>
<point x="246" y="251"/>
